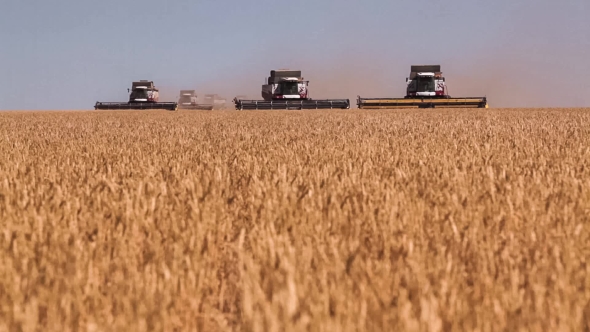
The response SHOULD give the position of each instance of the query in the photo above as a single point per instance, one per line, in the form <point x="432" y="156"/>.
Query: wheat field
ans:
<point x="421" y="220"/>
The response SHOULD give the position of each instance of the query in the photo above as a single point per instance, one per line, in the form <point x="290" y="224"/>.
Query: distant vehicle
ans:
<point x="188" y="101"/>
<point x="217" y="101"/>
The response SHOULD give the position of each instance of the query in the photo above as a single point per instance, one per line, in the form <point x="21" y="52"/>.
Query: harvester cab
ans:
<point x="187" y="98"/>
<point x="289" y="88"/>
<point x="283" y="84"/>
<point x="142" y="95"/>
<point x="426" y="85"/>
<point x="426" y="88"/>
<point x="286" y="89"/>
<point x="143" y="91"/>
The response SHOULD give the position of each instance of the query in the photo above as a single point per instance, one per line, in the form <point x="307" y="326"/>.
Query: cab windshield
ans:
<point x="139" y="94"/>
<point x="425" y="84"/>
<point x="290" y="88"/>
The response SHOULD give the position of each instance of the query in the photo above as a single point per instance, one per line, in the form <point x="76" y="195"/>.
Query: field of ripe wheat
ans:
<point x="475" y="220"/>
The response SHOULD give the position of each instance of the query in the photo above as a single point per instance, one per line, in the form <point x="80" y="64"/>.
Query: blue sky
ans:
<point x="67" y="54"/>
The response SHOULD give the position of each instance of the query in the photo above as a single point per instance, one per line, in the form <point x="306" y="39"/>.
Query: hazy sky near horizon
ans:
<point x="67" y="54"/>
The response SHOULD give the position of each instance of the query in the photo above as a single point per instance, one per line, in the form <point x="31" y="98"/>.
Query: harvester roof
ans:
<point x="143" y="84"/>
<point x="425" y="68"/>
<point x="285" y="73"/>
<point x="277" y="76"/>
<point x="434" y="69"/>
<point x="187" y="92"/>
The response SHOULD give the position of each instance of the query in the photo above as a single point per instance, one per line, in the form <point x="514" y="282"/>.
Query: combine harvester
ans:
<point x="143" y="96"/>
<point x="426" y="88"/>
<point x="286" y="90"/>
<point x="188" y="101"/>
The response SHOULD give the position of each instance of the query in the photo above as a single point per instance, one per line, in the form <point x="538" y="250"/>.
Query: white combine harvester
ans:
<point x="143" y="95"/>
<point x="426" y="88"/>
<point x="286" y="89"/>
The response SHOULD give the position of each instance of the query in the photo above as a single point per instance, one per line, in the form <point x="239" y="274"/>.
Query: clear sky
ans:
<point x="68" y="54"/>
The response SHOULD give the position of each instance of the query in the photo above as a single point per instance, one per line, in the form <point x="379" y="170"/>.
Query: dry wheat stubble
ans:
<point x="271" y="221"/>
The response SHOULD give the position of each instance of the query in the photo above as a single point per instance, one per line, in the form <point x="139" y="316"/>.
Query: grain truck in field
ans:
<point x="287" y="90"/>
<point x="143" y="95"/>
<point x="425" y="88"/>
